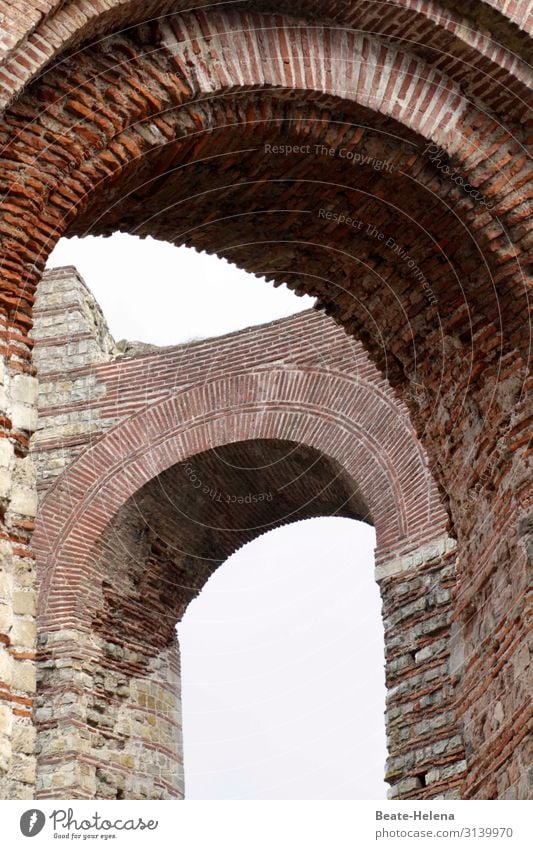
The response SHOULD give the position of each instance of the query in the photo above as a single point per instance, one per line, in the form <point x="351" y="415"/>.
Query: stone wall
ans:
<point x="18" y="508"/>
<point x="425" y="742"/>
<point x="72" y="337"/>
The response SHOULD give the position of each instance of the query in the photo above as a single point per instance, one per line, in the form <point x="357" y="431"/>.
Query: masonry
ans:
<point x="152" y="118"/>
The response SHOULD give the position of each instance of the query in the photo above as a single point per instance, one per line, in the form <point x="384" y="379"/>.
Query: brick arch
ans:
<point x="433" y="108"/>
<point x="442" y="119"/>
<point x="64" y="26"/>
<point x="444" y="110"/>
<point x="334" y="415"/>
<point x="95" y="614"/>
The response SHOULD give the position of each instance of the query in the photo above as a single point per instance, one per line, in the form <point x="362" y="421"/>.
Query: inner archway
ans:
<point x="283" y="686"/>
<point x="152" y="559"/>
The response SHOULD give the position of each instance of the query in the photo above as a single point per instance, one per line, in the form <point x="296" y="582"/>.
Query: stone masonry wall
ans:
<point x="18" y="508"/>
<point x="426" y="748"/>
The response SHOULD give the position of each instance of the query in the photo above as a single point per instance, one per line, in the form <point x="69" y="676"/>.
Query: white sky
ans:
<point x="151" y="291"/>
<point x="282" y="653"/>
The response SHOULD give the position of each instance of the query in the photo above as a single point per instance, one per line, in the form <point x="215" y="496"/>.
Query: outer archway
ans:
<point x="94" y="145"/>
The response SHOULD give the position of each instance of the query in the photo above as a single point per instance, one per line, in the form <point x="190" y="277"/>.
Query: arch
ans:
<point x="64" y="26"/>
<point x="153" y="556"/>
<point x="279" y="404"/>
<point x="100" y="141"/>
<point x="175" y="108"/>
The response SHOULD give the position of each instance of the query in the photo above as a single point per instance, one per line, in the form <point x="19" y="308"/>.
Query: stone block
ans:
<point x="498" y="713"/>
<point x="23" y="633"/>
<point x="7" y="454"/>
<point x="23" y="676"/>
<point x="23" y="501"/>
<point x="5" y="753"/>
<point x="20" y="791"/>
<point x="521" y="660"/>
<point x="6" y="666"/>
<point x="24" y="472"/>
<point x="407" y="785"/>
<point x="23" y="768"/>
<point x="6" y="577"/>
<point x="6" y="558"/>
<point x="6" y="617"/>
<point x="24" y="417"/>
<point x="5" y="481"/>
<point x="24" y="389"/>
<point x="24" y="572"/>
<point x="24" y="603"/>
<point x="24" y="737"/>
<point x="6" y="720"/>
<point x="433" y="775"/>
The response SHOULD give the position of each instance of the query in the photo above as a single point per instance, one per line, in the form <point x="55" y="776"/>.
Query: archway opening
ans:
<point x="283" y="686"/>
<point x="192" y="295"/>
<point x="150" y="561"/>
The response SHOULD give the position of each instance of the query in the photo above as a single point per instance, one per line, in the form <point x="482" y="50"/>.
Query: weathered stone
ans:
<point x="24" y="389"/>
<point x="7" y="454"/>
<point x="5" y="482"/>
<point x="24" y="603"/>
<point x="24" y="737"/>
<point x="23" y="632"/>
<point x="23" y="501"/>
<point x="23" y="676"/>
<point x="23" y="417"/>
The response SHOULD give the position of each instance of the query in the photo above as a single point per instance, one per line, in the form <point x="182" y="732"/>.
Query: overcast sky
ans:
<point x="282" y="652"/>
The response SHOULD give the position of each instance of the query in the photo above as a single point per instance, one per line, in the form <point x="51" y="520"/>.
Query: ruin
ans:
<point x="374" y="158"/>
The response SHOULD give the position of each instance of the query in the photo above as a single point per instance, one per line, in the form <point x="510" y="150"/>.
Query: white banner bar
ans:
<point x="268" y="825"/>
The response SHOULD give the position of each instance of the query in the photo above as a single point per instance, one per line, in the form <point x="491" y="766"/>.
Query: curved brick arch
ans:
<point x="415" y="95"/>
<point x="390" y="473"/>
<point x="438" y="101"/>
<point x="73" y="23"/>
<point x="419" y="96"/>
